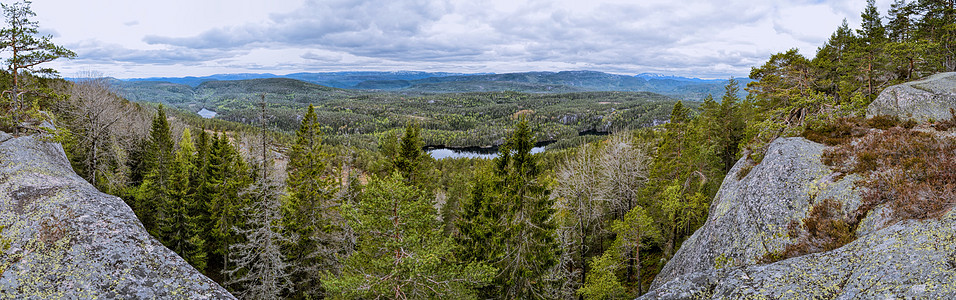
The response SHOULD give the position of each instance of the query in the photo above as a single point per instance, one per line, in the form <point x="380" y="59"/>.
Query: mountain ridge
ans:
<point x="694" y="89"/>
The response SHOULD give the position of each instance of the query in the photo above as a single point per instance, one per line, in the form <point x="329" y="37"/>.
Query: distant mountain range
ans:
<point x="440" y="82"/>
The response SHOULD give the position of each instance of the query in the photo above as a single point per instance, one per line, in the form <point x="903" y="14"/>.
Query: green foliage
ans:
<point x="156" y="183"/>
<point x="309" y="214"/>
<point x="603" y="282"/>
<point x="408" y="160"/>
<point x="173" y="221"/>
<point x="28" y="49"/>
<point x="401" y="250"/>
<point x="529" y="247"/>
<point x="459" y="119"/>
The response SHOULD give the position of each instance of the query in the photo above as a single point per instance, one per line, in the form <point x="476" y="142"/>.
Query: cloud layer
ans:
<point x="691" y="38"/>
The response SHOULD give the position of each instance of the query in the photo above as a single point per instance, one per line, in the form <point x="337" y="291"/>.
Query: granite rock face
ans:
<point x="749" y="218"/>
<point x="930" y="98"/>
<point x="68" y="240"/>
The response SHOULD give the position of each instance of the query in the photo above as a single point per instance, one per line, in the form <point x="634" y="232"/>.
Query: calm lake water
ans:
<point x="208" y="114"/>
<point x="486" y="153"/>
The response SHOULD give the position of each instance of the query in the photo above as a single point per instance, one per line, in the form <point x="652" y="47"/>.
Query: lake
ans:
<point x="208" y="114"/>
<point x="486" y="153"/>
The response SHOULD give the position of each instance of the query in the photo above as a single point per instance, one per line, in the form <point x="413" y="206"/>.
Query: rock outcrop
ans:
<point x="930" y="98"/>
<point x="749" y="218"/>
<point x="68" y="240"/>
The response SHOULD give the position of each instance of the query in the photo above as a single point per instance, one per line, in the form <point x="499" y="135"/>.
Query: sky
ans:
<point x="695" y="38"/>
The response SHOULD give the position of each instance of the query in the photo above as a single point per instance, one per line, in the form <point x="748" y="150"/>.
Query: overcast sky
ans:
<point x="698" y="38"/>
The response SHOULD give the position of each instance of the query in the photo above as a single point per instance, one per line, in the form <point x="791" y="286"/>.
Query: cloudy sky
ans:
<point x="697" y="38"/>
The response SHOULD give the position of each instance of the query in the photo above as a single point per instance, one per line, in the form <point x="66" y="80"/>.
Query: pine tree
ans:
<point x="28" y="49"/>
<point x="872" y="58"/>
<point x="401" y="251"/>
<point x="603" y="281"/>
<point x="937" y="25"/>
<point x="838" y="76"/>
<point x="309" y="212"/>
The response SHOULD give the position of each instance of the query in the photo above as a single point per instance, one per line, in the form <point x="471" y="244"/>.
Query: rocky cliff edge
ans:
<point x="911" y="259"/>
<point x="68" y="240"/>
<point x="752" y="216"/>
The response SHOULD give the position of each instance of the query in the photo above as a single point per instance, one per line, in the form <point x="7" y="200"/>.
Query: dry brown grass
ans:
<point x="914" y="172"/>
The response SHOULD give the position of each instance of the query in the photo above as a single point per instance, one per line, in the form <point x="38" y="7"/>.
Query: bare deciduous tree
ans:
<point x="580" y="205"/>
<point x="104" y="128"/>
<point x="595" y="187"/>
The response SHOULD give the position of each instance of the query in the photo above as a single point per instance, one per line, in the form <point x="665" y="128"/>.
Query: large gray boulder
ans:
<point x="907" y="260"/>
<point x="68" y="240"/>
<point x="930" y="98"/>
<point x="749" y="218"/>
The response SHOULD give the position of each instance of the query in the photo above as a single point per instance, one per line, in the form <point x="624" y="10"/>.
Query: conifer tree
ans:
<point x="174" y="224"/>
<point x="155" y="186"/>
<point x="480" y="226"/>
<point x="833" y="59"/>
<point x="730" y="131"/>
<point x="198" y="206"/>
<point x="309" y="212"/>
<point x="872" y="57"/>
<point x="408" y="162"/>
<point x="28" y="49"/>
<point x="226" y="207"/>
<point x="401" y="251"/>
<point x="603" y="281"/>
<point x="529" y="247"/>
<point x="259" y="268"/>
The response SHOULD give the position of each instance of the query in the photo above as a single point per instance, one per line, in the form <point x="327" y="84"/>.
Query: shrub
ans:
<point x="836" y="132"/>
<point x="825" y="228"/>
<point x="910" y="170"/>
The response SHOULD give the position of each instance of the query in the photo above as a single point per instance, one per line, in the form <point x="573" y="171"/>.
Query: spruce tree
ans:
<point x="309" y="214"/>
<point x="408" y="161"/>
<point x="730" y="130"/>
<point x="226" y="207"/>
<point x="401" y="252"/>
<point x="529" y="248"/>
<point x="174" y="224"/>
<point x="480" y="226"/>
<point x="155" y="186"/>
<point x="198" y="206"/>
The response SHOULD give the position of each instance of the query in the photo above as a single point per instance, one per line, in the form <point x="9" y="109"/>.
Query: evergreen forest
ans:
<point x="284" y="198"/>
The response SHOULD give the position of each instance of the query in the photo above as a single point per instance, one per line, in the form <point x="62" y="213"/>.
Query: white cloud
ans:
<point x="694" y="38"/>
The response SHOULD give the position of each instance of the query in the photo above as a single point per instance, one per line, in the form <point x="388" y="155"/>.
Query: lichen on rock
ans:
<point x="68" y="240"/>
<point x="923" y="100"/>
<point x="911" y="259"/>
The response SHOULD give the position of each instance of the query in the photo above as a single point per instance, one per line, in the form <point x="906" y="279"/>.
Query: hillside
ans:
<point x="440" y="82"/>
<point x="476" y="118"/>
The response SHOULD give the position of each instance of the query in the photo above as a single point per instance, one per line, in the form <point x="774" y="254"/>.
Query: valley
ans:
<point x="448" y="119"/>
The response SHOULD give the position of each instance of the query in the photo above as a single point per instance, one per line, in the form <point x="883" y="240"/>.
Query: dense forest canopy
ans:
<point x="303" y="191"/>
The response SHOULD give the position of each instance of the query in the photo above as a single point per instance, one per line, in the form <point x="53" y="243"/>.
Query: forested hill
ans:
<point x="429" y="82"/>
<point x="682" y="88"/>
